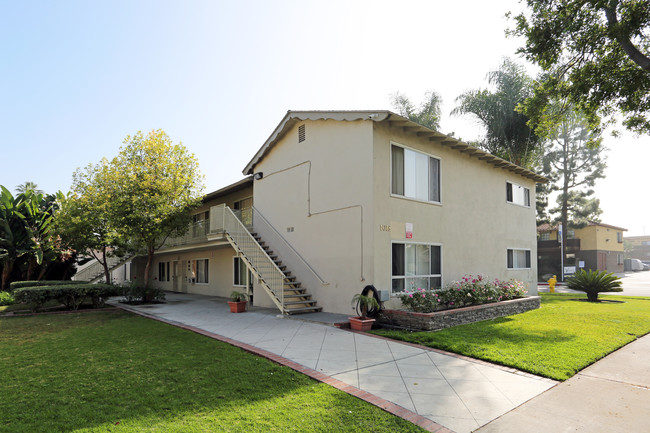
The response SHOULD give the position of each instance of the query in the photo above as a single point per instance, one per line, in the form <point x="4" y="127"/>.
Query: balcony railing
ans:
<point x="196" y="233"/>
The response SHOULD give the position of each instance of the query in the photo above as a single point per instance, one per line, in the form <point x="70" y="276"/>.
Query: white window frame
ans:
<point x="194" y="271"/>
<point x="406" y="277"/>
<point x="515" y="259"/>
<point x="516" y="203"/>
<point x="545" y="236"/>
<point x="430" y="156"/>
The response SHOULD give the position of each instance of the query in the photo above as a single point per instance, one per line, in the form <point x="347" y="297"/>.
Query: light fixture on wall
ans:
<point x="258" y="175"/>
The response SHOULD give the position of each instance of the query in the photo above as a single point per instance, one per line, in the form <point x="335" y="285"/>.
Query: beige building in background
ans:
<point x="338" y="200"/>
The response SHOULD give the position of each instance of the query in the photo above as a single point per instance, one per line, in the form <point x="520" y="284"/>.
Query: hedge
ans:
<point x="20" y="284"/>
<point x="71" y="295"/>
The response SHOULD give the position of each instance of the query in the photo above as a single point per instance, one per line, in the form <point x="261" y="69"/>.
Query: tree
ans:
<point x="573" y="168"/>
<point x="84" y="216"/>
<point x="28" y="186"/>
<point x="507" y="132"/>
<point x="151" y="185"/>
<point x="428" y="114"/>
<point x="595" y="56"/>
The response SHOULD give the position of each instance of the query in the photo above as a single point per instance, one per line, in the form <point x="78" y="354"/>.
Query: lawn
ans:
<point x="115" y="372"/>
<point x="557" y="340"/>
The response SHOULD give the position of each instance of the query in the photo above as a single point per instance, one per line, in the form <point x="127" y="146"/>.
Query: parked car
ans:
<point x="646" y="265"/>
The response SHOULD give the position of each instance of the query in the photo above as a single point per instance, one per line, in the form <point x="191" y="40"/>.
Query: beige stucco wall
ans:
<point x="473" y="223"/>
<point x="318" y="195"/>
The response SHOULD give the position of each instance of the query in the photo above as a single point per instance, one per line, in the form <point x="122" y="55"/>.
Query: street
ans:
<point x="634" y="284"/>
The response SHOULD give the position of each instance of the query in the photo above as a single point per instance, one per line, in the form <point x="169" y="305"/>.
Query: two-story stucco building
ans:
<point x="337" y="200"/>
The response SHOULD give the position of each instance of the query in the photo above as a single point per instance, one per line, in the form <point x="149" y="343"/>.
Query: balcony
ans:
<point x="572" y="245"/>
<point x="203" y="231"/>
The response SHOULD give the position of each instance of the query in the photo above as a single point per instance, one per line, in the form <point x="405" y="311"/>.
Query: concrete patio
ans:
<point x="458" y="393"/>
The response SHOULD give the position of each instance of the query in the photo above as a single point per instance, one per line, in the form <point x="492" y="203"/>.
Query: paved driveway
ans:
<point x="455" y="392"/>
<point x="634" y="284"/>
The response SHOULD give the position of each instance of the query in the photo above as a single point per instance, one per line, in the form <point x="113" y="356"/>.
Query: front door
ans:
<point x="602" y="261"/>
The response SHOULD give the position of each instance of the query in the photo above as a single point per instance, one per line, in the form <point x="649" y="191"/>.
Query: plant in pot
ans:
<point x="363" y="304"/>
<point x="237" y="302"/>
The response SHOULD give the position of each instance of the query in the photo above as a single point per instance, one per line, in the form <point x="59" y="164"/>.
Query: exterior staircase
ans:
<point x="296" y="299"/>
<point x="94" y="271"/>
<point x="283" y="288"/>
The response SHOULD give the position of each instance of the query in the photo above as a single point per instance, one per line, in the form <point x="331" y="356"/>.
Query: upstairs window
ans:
<point x="517" y="194"/>
<point x="619" y="237"/>
<point x="414" y="175"/>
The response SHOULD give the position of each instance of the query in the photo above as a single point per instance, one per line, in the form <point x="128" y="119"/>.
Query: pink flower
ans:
<point x="410" y="295"/>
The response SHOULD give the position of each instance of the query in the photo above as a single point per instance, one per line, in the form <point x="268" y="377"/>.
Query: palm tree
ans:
<point x="507" y="134"/>
<point x="428" y="114"/>
<point x="28" y="186"/>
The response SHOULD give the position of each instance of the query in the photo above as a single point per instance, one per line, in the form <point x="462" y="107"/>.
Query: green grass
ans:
<point x="116" y="372"/>
<point x="557" y="340"/>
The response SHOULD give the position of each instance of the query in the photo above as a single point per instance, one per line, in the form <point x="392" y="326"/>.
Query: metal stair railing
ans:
<point x="287" y="252"/>
<point x="95" y="269"/>
<point x="224" y="220"/>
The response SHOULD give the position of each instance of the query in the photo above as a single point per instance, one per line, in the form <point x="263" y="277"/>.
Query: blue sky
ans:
<point x="77" y="77"/>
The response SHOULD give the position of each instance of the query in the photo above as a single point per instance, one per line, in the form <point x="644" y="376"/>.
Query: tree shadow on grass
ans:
<point x="118" y="372"/>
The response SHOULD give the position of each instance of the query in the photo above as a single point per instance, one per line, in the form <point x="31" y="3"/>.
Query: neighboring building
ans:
<point x="344" y="199"/>
<point x="638" y="247"/>
<point x="596" y="246"/>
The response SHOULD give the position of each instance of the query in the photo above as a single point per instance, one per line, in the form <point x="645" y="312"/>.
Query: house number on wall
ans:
<point x="384" y="228"/>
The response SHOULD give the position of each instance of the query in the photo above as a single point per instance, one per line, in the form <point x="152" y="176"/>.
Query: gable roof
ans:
<point x="394" y="120"/>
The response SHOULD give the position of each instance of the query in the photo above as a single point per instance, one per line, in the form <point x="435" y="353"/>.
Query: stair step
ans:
<point x="312" y="303"/>
<point x="292" y="286"/>
<point x="288" y="277"/>
<point x="297" y="289"/>
<point x="306" y="296"/>
<point x="303" y="310"/>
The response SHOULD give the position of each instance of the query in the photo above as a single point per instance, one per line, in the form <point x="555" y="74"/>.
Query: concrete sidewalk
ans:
<point x="434" y="389"/>
<point x="612" y="395"/>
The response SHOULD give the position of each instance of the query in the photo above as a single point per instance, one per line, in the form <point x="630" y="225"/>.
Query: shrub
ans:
<point x="6" y="298"/>
<point x="71" y="295"/>
<point x="594" y="282"/>
<point x="468" y="291"/>
<point x="20" y="284"/>
<point x="133" y="293"/>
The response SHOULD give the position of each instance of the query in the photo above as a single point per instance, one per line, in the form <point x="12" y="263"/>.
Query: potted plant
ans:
<point x="237" y="302"/>
<point x="363" y="304"/>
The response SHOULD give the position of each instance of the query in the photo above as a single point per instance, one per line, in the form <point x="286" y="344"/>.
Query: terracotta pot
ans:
<point x="361" y="323"/>
<point x="237" y="307"/>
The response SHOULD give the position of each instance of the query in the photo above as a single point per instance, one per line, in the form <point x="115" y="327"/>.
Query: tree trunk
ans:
<point x="623" y="40"/>
<point x="31" y="268"/>
<point x="564" y="217"/>
<point x="104" y="261"/>
<point x="147" y="274"/>
<point x="6" y="273"/>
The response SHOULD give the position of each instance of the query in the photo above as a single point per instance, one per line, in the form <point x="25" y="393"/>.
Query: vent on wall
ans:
<point x="301" y="133"/>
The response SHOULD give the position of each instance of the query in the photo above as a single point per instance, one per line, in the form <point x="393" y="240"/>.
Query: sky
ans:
<point x="77" y="77"/>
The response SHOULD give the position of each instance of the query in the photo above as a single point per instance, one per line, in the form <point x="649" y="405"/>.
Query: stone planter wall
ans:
<point x="459" y="316"/>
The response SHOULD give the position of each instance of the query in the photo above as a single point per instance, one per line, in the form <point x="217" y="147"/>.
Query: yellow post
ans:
<point x="551" y="284"/>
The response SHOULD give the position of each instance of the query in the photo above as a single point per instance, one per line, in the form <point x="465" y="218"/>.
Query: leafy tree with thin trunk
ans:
<point x="152" y="185"/>
<point x="427" y="114"/>
<point x="83" y="219"/>
<point x="595" y="56"/>
<point x="507" y="133"/>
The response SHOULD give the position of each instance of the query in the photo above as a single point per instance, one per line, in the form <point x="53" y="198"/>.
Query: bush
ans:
<point x="468" y="291"/>
<point x="594" y="282"/>
<point x="6" y="299"/>
<point x="134" y="293"/>
<point x="71" y="295"/>
<point x="20" y="284"/>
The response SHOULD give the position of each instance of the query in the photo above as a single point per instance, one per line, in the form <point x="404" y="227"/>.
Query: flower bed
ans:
<point x="469" y="300"/>
<point x="459" y="316"/>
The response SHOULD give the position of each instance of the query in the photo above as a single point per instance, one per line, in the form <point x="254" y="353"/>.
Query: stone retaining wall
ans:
<point x="458" y="316"/>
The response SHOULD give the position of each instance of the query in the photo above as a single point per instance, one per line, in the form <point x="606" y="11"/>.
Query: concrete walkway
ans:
<point x="612" y="395"/>
<point x="436" y="390"/>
